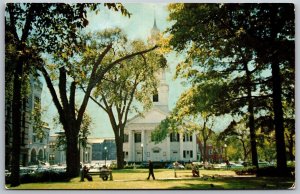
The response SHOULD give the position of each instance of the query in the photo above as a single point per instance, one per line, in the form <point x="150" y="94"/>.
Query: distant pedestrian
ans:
<point x="151" y="170"/>
<point x="227" y="164"/>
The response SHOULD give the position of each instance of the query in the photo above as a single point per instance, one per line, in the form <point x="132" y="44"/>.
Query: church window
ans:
<point x="184" y="154"/>
<point x="52" y="145"/>
<point x="187" y="137"/>
<point x="155" y="151"/>
<point x="148" y="154"/>
<point x="137" y="137"/>
<point x="155" y="98"/>
<point x="174" y="137"/>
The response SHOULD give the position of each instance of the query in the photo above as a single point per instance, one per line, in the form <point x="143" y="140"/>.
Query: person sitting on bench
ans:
<point x="195" y="171"/>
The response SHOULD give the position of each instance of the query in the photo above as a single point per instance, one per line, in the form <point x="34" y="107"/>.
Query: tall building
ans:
<point x="138" y="145"/>
<point x="33" y="146"/>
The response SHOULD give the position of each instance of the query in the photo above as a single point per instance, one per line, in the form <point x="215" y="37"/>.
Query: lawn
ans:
<point x="136" y="179"/>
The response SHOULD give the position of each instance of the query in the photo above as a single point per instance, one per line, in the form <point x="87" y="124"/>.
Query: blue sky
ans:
<point x="138" y="26"/>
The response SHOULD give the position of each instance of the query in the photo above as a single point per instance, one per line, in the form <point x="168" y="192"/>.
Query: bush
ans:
<point x="188" y="166"/>
<point x="113" y="166"/>
<point x="129" y="166"/>
<point x="46" y="176"/>
<point x="251" y="170"/>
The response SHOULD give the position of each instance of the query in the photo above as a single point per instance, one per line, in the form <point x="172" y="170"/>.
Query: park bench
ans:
<point x="105" y="173"/>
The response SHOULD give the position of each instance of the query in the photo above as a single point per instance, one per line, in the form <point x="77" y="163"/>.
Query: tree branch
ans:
<point x="62" y="87"/>
<point x="51" y="89"/>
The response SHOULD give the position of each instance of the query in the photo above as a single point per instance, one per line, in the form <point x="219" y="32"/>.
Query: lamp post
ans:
<point x="142" y="146"/>
<point x="105" y="149"/>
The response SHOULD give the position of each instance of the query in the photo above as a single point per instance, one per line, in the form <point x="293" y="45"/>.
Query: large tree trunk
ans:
<point x="251" y="119"/>
<point x="16" y="122"/>
<point x="120" y="154"/>
<point x="16" y="125"/>
<point x="72" y="153"/>
<point x="278" y="119"/>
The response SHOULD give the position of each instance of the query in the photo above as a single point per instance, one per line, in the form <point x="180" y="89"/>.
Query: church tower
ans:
<point x="161" y="98"/>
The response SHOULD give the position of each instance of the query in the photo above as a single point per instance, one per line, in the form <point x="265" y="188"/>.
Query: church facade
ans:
<point x="138" y="145"/>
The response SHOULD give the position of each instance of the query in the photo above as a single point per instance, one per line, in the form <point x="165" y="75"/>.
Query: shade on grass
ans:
<point x="136" y="179"/>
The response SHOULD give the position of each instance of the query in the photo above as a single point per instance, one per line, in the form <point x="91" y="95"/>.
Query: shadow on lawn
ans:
<point x="237" y="183"/>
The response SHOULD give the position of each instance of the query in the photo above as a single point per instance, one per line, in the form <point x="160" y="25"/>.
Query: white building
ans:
<point x="138" y="145"/>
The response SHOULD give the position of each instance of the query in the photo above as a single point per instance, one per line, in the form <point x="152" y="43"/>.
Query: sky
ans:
<point x="138" y="26"/>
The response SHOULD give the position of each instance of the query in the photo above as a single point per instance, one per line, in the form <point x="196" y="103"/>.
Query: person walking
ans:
<point x="151" y="172"/>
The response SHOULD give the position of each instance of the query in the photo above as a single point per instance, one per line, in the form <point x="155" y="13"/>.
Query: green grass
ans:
<point x="136" y="179"/>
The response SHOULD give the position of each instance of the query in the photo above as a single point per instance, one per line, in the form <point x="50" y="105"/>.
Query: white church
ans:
<point x="139" y="147"/>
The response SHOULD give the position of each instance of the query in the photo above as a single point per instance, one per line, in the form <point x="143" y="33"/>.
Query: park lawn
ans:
<point x="136" y="179"/>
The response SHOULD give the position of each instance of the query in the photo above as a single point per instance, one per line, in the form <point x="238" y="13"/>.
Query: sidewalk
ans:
<point x="205" y="177"/>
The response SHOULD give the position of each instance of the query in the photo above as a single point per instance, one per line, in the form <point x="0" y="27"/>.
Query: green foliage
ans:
<point x="127" y="87"/>
<point x="46" y="176"/>
<point x="251" y="170"/>
<point x="231" y="61"/>
<point x="38" y="124"/>
<point x="163" y="129"/>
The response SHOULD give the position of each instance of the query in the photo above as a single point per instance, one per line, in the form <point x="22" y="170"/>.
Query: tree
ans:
<point x="127" y="87"/>
<point x="240" y="132"/>
<point x="35" y="28"/>
<point x="236" y="33"/>
<point x="86" y="69"/>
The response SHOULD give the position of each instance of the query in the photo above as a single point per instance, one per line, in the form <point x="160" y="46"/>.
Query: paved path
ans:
<point x="205" y="177"/>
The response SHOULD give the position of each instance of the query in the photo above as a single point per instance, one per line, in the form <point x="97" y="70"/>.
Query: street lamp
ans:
<point x="105" y="148"/>
<point x="142" y="152"/>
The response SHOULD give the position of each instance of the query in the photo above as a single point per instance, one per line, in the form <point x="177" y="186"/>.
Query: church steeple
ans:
<point x="154" y="25"/>
<point x="154" y="32"/>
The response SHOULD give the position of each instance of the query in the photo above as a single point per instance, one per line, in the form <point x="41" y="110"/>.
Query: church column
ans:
<point x="168" y="150"/>
<point x="181" y="146"/>
<point x="143" y="144"/>
<point x="130" y="146"/>
<point x="195" y="154"/>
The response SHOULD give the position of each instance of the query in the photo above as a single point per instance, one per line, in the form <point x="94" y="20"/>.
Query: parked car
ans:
<point x="245" y="164"/>
<point x="263" y="164"/>
<point x="235" y="166"/>
<point x="172" y="166"/>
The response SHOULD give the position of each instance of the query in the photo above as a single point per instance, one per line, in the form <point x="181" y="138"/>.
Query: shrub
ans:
<point x="188" y="166"/>
<point x="46" y="176"/>
<point x="129" y="166"/>
<point x="251" y="170"/>
<point x="113" y="166"/>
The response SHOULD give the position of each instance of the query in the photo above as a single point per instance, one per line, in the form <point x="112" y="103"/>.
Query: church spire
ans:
<point x="154" y="31"/>
<point x="154" y="25"/>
